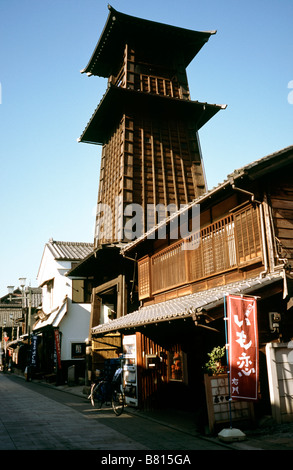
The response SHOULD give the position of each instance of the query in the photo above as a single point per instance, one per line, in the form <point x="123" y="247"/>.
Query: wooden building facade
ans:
<point x="246" y="232"/>
<point x="243" y="246"/>
<point x="169" y="298"/>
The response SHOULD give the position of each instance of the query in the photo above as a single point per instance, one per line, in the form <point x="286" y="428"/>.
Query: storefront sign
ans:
<point x="243" y="347"/>
<point x="58" y="348"/>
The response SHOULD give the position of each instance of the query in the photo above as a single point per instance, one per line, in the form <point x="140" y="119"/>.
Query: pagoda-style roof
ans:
<point x="117" y="101"/>
<point x="164" y="42"/>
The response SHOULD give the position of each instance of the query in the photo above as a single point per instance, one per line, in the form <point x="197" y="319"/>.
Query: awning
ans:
<point x="52" y="319"/>
<point x="89" y="265"/>
<point x="21" y="340"/>
<point x="50" y="279"/>
<point x="186" y="306"/>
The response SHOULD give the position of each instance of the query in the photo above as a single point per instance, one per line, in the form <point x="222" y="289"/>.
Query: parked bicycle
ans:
<point x="109" y="391"/>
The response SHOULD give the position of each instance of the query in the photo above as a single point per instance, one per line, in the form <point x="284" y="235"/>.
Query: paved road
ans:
<point x="36" y="417"/>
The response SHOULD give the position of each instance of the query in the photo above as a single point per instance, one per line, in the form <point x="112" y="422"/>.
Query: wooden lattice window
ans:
<point x="144" y="281"/>
<point x="248" y="235"/>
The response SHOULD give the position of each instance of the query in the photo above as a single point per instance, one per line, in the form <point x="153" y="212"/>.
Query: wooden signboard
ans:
<point x="217" y="397"/>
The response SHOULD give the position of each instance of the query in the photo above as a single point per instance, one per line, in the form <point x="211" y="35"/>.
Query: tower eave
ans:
<point x="117" y="101"/>
<point x="121" y="28"/>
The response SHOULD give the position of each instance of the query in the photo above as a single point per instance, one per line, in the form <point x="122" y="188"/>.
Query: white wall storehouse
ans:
<point x="65" y="302"/>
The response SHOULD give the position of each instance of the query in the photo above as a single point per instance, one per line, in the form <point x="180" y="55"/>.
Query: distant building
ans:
<point x="14" y="319"/>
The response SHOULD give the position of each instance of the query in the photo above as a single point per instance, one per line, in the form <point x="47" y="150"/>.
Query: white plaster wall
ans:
<point x="75" y="324"/>
<point x="74" y="327"/>
<point x="49" y="269"/>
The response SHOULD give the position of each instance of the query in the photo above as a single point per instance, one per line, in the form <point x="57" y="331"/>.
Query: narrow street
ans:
<point x="36" y="417"/>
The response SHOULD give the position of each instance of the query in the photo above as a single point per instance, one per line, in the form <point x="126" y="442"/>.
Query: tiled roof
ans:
<point x="69" y="250"/>
<point x="185" y="306"/>
<point x="20" y="300"/>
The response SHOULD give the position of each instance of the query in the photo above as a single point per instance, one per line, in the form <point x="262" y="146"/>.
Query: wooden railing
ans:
<point x="158" y="85"/>
<point x="148" y="84"/>
<point x="168" y="267"/>
<point x="216" y="250"/>
<point x="231" y="242"/>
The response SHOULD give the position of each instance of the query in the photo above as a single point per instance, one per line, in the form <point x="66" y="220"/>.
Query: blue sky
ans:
<point x="49" y="182"/>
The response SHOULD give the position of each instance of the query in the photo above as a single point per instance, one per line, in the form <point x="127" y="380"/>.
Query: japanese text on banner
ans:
<point x="243" y="347"/>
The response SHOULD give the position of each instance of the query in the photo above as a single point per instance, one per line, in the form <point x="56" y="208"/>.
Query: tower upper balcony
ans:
<point x="145" y="56"/>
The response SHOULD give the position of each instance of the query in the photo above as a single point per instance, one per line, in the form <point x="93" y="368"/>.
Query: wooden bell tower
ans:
<point x="146" y="122"/>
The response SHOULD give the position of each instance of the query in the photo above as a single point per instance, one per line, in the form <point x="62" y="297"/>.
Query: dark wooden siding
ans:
<point x="156" y="384"/>
<point x="281" y="198"/>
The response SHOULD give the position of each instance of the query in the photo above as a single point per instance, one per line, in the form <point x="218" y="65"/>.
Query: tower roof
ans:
<point x="168" y="42"/>
<point x="117" y="101"/>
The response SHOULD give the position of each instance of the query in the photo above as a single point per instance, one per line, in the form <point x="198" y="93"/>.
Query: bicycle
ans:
<point x="106" y="391"/>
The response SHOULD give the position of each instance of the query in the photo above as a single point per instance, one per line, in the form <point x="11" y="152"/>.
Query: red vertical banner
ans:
<point x="243" y="347"/>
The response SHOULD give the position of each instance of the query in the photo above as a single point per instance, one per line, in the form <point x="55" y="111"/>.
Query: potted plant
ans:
<point x="214" y="365"/>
